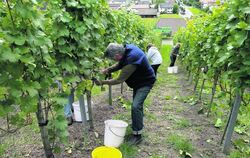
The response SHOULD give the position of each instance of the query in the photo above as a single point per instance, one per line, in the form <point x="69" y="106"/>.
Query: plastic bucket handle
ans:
<point x="115" y="133"/>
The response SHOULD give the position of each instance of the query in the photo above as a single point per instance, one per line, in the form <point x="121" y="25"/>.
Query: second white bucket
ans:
<point x="77" y="111"/>
<point x="173" y="69"/>
<point x="115" y="131"/>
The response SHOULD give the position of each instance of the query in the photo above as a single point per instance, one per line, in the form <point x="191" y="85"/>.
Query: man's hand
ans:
<point x="104" y="71"/>
<point x="97" y="82"/>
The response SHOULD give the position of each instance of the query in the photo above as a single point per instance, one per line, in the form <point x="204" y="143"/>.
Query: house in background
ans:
<point x="144" y="2"/>
<point x="119" y="1"/>
<point x="207" y="3"/>
<point x="139" y="6"/>
<point x="144" y="10"/>
<point x="115" y="6"/>
<point x="118" y="4"/>
<point x="167" y="7"/>
<point x="147" y="12"/>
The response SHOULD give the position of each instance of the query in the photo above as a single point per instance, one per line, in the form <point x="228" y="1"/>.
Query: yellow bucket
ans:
<point x="106" y="152"/>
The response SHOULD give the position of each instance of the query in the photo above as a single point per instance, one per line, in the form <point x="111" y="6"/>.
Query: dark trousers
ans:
<point x="155" y="67"/>
<point x="139" y="96"/>
<point x="173" y="59"/>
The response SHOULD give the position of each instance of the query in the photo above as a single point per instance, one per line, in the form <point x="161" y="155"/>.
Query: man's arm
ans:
<point x="112" y="68"/>
<point x="126" y="71"/>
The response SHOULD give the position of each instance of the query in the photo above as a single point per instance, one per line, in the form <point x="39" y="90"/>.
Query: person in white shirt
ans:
<point x="154" y="57"/>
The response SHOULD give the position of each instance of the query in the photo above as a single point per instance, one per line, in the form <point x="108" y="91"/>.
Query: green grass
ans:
<point x="3" y="147"/>
<point x="128" y="151"/>
<point x="168" y="108"/>
<point x="165" y="52"/>
<point x="169" y="16"/>
<point x="161" y="76"/>
<point x="148" y="101"/>
<point x="151" y="22"/>
<point x="238" y="154"/>
<point x="180" y="143"/>
<point x="183" y="123"/>
<point x="170" y="117"/>
<point x="155" y="155"/>
<point x="196" y="11"/>
<point x="161" y="33"/>
<point x="162" y="79"/>
<point x="122" y="116"/>
<point x="150" y="116"/>
<point x="15" y="142"/>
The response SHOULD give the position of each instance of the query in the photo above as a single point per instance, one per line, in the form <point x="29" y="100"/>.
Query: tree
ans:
<point x="176" y="9"/>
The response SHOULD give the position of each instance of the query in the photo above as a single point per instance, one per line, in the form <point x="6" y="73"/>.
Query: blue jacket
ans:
<point x="144" y="73"/>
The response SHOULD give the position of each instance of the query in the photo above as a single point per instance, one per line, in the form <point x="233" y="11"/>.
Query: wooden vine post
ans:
<point x="91" y="124"/>
<point x="122" y="87"/>
<point x="110" y="90"/>
<point x="224" y="132"/>
<point x="216" y="77"/>
<point x="83" y="110"/>
<point x="231" y="123"/>
<point x="110" y="95"/>
<point x="197" y="79"/>
<point x="202" y="87"/>
<point x="203" y="81"/>
<point x="42" y="122"/>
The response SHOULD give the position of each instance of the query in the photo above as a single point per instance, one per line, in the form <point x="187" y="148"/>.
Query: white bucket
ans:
<point x="173" y="69"/>
<point x="77" y="111"/>
<point x="115" y="131"/>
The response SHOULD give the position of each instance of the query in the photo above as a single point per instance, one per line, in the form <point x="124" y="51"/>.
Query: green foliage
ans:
<point x="243" y="125"/>
<point x="176" y="9"/>
<point x="168" y="97"/>
<point x="218" y="123"/>
<point x="194" y="3"/>
<point x="64" y="41"/>
<point x="235" y="154"/>
<point x="155" y="38"/>
<point x="96" y="90"/>
<point x="196" y="11"/>
<point x="123" y="102"/>
<point x="220" y="42"/>
<point x="150" y="22"/>
<point x="213" y="40"/>
<point x="243" y="148"/>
